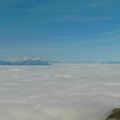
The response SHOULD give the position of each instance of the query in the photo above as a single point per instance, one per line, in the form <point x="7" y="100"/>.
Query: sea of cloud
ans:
<point x="59" y="92"/>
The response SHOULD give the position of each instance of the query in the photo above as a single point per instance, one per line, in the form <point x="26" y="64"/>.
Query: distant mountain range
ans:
<point x="34" y="61"/>
<point x="111" y="62"/>
<point x="25" y="62"/>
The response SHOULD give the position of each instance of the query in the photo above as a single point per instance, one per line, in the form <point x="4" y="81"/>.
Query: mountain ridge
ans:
<point x="25" y="62"/>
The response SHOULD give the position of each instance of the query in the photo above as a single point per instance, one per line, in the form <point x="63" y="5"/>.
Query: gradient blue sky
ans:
<point x="68" y="30"/>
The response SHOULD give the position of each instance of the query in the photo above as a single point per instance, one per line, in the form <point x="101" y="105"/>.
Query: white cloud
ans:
<point x="61" y="91"/>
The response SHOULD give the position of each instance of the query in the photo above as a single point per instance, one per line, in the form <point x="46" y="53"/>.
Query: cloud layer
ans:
<point x="58" y="92"/>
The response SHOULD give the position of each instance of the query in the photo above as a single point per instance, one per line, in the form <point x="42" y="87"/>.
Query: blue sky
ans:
<point x="67" y="30"/>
